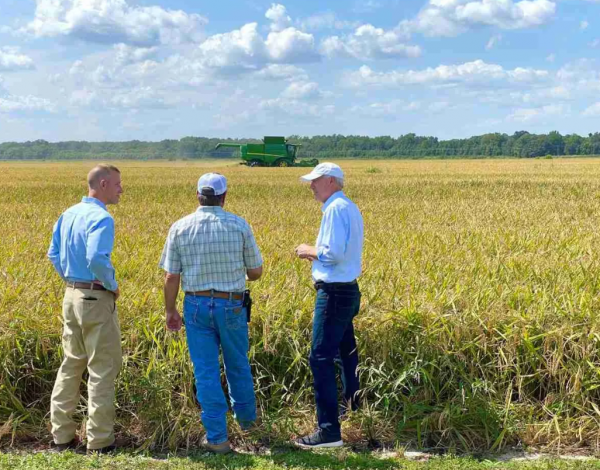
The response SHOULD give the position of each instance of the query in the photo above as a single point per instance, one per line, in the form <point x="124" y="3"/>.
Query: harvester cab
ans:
<point x="273" y="151"/>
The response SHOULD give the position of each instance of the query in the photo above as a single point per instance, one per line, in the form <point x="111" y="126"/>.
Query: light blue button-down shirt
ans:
<point x="340" y="241"/>
<point x="82" y="241"/>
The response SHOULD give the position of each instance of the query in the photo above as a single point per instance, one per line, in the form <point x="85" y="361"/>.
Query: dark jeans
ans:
<point x="333" y="339"/>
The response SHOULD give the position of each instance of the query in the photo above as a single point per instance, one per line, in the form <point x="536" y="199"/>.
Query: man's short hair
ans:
<point x="208" y="198"/>
<point x="100" y="172"/>
<point x="339" y="181"/>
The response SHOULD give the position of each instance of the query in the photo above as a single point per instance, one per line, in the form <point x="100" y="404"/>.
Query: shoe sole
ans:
<point x="321" y="446"/>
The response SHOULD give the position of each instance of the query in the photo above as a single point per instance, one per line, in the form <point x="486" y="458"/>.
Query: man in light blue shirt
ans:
<point x="82" y="242"/>
<point x="336" y="264"/>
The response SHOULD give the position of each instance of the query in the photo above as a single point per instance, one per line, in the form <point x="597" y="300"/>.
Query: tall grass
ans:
<point x="479" y="323"/>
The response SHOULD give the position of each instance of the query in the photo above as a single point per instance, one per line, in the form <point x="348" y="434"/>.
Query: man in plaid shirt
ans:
<point x="211" y="253"/>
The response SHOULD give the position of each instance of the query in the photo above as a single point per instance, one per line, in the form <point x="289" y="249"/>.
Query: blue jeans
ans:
<point x="333" y="340"/>
<point x="212" y="323"/>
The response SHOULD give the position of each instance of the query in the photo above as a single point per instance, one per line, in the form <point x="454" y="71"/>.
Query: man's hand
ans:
<point x="174" y="321"/>
<point x="117" y="293"/>
<point x="305" y="251"/>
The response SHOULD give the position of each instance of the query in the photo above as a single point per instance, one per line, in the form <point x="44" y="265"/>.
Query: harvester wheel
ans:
<point x="282" y="163"/>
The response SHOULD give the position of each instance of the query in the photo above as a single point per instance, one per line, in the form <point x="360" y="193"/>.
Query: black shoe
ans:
<point x="102" y="450"/>
<point x="71" y="445"/>
<point x="318" y="440"/>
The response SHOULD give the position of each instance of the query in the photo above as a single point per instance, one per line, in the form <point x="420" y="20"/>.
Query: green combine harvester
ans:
<point x="274" y="151"/>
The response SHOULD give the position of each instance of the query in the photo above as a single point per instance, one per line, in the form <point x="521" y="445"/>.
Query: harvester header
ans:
<point x="273" y="151"/>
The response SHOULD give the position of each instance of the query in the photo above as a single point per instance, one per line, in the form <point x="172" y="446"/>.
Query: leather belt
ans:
<point x="86" y="285"/>
<point x="321" y="284"/>
<point x="218" y="294"/>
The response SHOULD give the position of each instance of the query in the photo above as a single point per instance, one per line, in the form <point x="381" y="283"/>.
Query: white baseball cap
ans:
<point x="324" y="169"/>
<point x="210" y="184"/>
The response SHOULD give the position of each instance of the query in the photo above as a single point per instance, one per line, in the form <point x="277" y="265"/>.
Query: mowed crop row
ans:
<point x="479" y="322"/>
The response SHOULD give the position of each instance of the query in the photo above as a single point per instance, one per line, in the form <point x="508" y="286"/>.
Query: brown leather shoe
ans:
<point x="222" y="448"/>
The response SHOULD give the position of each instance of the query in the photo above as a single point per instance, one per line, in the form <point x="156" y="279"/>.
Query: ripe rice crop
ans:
<point x="479" y="322"/>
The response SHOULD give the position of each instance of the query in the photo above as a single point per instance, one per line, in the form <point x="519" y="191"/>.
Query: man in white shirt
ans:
<point x="336" y="264"/>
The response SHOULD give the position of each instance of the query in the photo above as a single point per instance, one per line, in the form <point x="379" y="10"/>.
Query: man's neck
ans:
<point x="95" y="195"/>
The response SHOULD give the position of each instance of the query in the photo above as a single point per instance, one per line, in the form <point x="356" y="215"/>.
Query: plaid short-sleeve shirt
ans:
<point x="211" y="249"/>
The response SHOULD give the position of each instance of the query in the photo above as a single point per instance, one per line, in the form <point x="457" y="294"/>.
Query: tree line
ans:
<point x="521" y="144"/>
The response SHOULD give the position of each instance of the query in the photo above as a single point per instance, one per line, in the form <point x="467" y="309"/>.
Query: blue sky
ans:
<point x="158" y="69"/>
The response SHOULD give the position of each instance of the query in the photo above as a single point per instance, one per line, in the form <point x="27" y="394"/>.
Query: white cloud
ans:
<point x="526" y="115"/>
<point x="595" y="43"/>
<point x="278" y="15"/>
<point x="244" y="48"/>
<point x="13" y="103"/>
<point x="584" y="25"/>
<point x="387" y="108"/>
<point x="477" y="71"/>
<point x="296" y="108"/>
<point x="282" y="72"/>
<point x="126" y="55"/>
<point x="494" y="40"/>
<point x="366" y="6"/>
<point x="302" y="91"/>
<point x="453" y="17"/>
<point x="11" y="59"/>
<point x="369" y="42"/>
<point x="326" y="20"/>
<point x="593" y="110"/>
<point x="143" y="97"/>
<point x="291" y="45"/>
<point x="10" y="103"/>
<point x="114" y="21"/>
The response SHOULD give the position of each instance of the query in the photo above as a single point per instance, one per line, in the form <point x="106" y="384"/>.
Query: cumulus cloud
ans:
<point x="387" y="108"/>
<point x="142" y="97"/>
<point x="10" y="103"/>
<point x="114" y="21"/>
<point x="245" y="48"/>
<point x="11" y="59"/>
<point x="278" y="16"/>
<point x="278" y="72"/>
<point x="477" y="71"/>
<point x="326" y="20"/>
<point x="453" y="17"/>
<point x="593" y="110"/>
<point x="526" y="115"/>
<point x="302" y="91"/>
<point x="369" y="42"/>
<point x="126" y="55"/>
<point x="296" y="108"/>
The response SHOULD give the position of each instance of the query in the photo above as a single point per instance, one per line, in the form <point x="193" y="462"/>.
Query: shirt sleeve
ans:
<point x="54" y="250"/>
<point x="332" y="245"/>
<point x="252" y="256"/>
<point x="100" y="241"/>
<point x="170" y="259"/>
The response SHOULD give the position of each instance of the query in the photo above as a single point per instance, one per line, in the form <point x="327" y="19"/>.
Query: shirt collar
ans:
<point x="332" y="198"/>
<point x="209" y="209"/>
<point x="93" y="200"/>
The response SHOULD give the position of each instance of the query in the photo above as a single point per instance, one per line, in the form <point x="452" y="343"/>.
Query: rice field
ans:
<point x="479" y="324"/>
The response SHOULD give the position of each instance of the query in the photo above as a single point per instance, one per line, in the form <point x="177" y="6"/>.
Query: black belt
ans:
<point x="323" y="284"/>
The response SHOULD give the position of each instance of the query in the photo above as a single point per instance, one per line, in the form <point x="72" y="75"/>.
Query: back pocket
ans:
<point x="235" y="316"/>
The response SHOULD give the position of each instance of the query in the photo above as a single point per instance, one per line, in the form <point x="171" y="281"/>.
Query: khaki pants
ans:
<point x="92" y="339"/>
